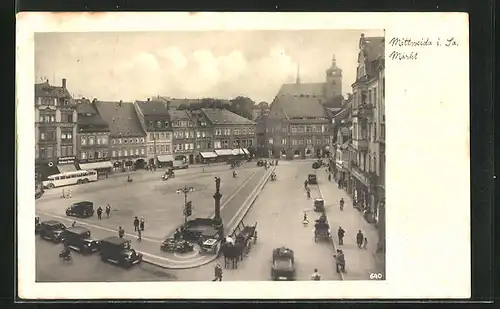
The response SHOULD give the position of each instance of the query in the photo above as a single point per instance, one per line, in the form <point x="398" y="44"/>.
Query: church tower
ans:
<point x="333" y="83"/>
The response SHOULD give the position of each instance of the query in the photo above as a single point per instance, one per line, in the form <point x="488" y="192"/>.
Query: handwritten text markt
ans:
<point x="424" y="42"/>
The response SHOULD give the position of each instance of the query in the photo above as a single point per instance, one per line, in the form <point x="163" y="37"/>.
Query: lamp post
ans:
<point x="186" y="190"/>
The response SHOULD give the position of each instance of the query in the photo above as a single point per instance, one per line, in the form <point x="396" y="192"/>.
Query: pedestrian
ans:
<point x="329" y="177"/>
<point x="121" y="232"/>
<point x="73" y="224"/>
<point x="69" y="193"/>
<point x="108" y="210"/>
<point x="305" y="184"/>
<point x="136" y="224"/>
<point x="338" y="262"/>
<point x="139" y="234"/>
<point x="99" y="213"/>
<point x="359" y="239"/>
<point x="141" y="224"/>
<point x="217" y="273"/>
<point x="316" y="276"/>
<point x="365" y="243"/>
<point x="342" y="204"/>
<point x="63" y="194"/>
<point x="341" y="234"/>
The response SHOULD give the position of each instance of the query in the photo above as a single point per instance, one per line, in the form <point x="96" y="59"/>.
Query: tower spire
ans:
<point x="297" y="81"/>
<point x="334" y="61"/>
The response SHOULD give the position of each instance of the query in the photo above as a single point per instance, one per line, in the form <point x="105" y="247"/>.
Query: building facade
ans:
<point x="155" y="119"/>
<point x="93" y="138"/>
<point x="128" y="138"/>
<point x="183" y="135"/>
<point x="368" y="119"/>
<point x="55" y="130"/>
<point x="204" y="139"/>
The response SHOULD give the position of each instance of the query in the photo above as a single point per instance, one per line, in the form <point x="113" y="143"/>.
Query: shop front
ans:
<point x="361" y="187"/>
<point x="165" y="160"/>
<point x="66" y="164"/>
<point x="223" y="155"/>
<point x="102" y="166"/>
<point x="207" y="157"/>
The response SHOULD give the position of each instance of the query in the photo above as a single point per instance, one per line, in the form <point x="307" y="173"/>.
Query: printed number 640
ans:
<point x="376" y="276"/>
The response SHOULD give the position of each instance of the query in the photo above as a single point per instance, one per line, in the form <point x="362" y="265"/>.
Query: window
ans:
<point x="119" y="153"/>
<point x="227" y="131"/>
<point x="217" y="145"/>
<point x="198" y="145"/>
<point x="83" y="155"/>
<point x="137" y="141"/>
<point x="294" y="129"/>
<point x="186" y="134"/>
<point x="137" y="152"/>
<point x="143" y="151"/>
<point x="91" y="140"/>
<point x="151" y="137"/>
<point x="125" y="153"/>
<point x="186" y="146"/>
<point x="104" y="140"/>
<point x="167" y="148"/>
<point x="104" y="153"/>
<point x="114" y="141"/>
<point x="225" y="143"/>
<point x="218" y="132"/>
<point x="318" y="141"/>
<point x="158" y="124"/>
<point x="42" y="136"/>
<point x="67" y="135"/>
<point x="209" y="145"/>
<point x="142" y="140"/>
<point x="294" y="142"/>
<point x="309" y="141"/>
<point x="113" y="153"/>
<point x="191" y="146"/>
<point x="301" y="142"/>
<point x="119" y="141"/>
<point x="198" y="134"/>
<point x="83" y="140"/>
<point x="283" y="141"/>
<point x="125" y="140"/>
<point x="157" y="136"/>
<point x="166" y="124"/>
<point x="191" y="134"/>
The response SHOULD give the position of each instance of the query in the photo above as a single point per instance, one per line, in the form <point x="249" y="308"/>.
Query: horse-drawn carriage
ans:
<point x="322" y="229"/>
<point x="283" y="267"/>
<point x="238" y="243"/>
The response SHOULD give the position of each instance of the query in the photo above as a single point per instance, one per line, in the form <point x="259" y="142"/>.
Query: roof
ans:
<point x="178" y="114"/>
<point x="153" y="108"/>
<point x="121" y="118"/>
<point x="299" y="106"/>
<point x="223" y="116"/>
<point x="311" y="89"/>
<point x="373" y="47"/>
<point x="78" y="229"/>
<point x="51" y="222"/>
<point x="47" y="90"/>
<point x="115" y="240"/>
<point x="89" y="118"/>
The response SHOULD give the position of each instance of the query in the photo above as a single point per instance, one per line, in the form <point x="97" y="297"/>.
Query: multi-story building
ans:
<point x="204" y="140"/>
<point x="55" y="130"/>
<point x="232" y="133"/>
<point x="93" y="138"/>
<point x="261" y="136"/>
<point x="155" y="120"/>
<point x="368" y="119"/>
<point x="128" y="138"/>
<point x="183" y="135"/>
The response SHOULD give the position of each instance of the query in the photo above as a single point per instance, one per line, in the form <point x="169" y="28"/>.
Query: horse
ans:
<point x="230" y="253"/>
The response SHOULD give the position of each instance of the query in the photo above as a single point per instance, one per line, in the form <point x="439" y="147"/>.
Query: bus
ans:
<point x="70" y="178"/>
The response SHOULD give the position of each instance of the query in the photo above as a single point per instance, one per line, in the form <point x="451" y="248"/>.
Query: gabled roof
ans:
<point x="373" y="47"/>
<point x="89" y="119"/>
<point x="46" y="90"/>
<point x="311" y="89"/>
<point x="176" y="114"/>
<point x="299" y="106"/>
<point x="219" y="116"/>
<point x="152" y="108"/>
<point x="121" y="118"/>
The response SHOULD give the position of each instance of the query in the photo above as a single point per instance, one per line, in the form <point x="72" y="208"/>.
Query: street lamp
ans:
<point x="187" y="206"/>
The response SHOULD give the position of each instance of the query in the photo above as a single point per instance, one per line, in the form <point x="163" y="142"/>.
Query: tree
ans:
<point x="242" y="106"/>
<point x="263" y="105"/>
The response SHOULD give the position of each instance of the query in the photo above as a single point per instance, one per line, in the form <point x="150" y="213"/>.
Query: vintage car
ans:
<point x="176" y="245"/>
<point x="37" y="225"/>
<point x="311" y="179"/>
<point x="261" y="163"/>
<point x="193" y="229"/>
<point x="322" y="231"/>
<point x="118" y="251"/>
<point x="283" y="267"/>
<point x="319" y="205"/>
<point x="52" y="230"/>
<point x="317" y="164"/>
<point x="209" y="240"/>
<point x="82" y="209"/>
<point x="78" y="238"/>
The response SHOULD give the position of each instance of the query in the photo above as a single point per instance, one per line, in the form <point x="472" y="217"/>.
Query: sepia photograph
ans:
<point x="165" y="156"/>
<point x="209" y="156"/>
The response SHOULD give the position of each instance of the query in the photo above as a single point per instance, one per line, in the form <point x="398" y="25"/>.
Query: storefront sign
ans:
<point x="93" y="160"/>
<point x="66" y="160"/>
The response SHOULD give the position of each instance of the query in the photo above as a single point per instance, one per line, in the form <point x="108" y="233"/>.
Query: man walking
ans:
<point x="108" y="211"/>
<point x="217" y="273"/>
<point x="329" y="177"/>
<point x="99" y="213"/>
<point x="341" y="234"/>
<point x="359" y="239"/>
<point x="121" y="232"/>
<point x="136" y="224"/>
<point x="139" y="234"/>
<point x="342" y="204"/>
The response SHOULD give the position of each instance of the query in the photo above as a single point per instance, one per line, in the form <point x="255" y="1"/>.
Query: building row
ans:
<point x="73" y="134"/>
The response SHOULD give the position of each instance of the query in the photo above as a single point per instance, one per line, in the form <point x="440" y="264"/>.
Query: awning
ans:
<point x="246" y="151"/>
<point x="165" y="158"/>
<point x="64" y="168"/>
<point x="238" y="151"/>
<point x="207" y="155"/>
<point x="96" y="165"/>
<point x="224" y="152"/>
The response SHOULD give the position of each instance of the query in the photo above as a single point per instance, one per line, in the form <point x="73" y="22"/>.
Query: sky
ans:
<point x="132" y="66"/>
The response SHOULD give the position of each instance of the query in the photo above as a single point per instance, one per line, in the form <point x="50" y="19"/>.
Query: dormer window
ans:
<point x="158" y="124"/>
<point x="166" y="124"/>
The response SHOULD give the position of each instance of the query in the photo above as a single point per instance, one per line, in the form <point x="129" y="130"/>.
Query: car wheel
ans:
<point x="85" y="180"/>
<point x="79" y="181"/>
<point x="50" y="186"/>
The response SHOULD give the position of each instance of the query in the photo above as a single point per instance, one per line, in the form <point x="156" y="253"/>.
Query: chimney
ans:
<point x="149" y="99"/>
<point x="64" y="83"/>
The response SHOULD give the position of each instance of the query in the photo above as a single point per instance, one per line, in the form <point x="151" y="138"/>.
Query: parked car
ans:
<point x="82" y="209"/>
<point x="118" y="251"/>
<point x="283" y="267"/>
<point x="52" y="230"/>
<point x="79" y="238"/>
<point x="311" y="178"/>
